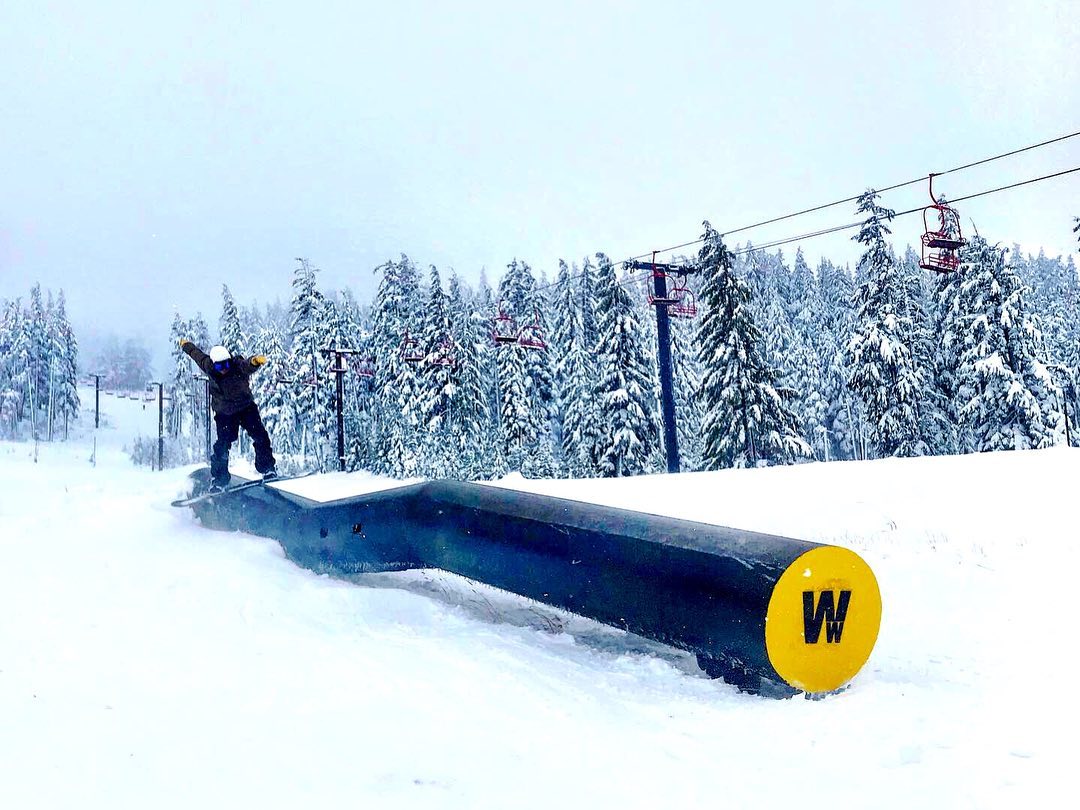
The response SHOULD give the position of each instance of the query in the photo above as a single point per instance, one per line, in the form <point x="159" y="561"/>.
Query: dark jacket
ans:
<point x="229" y="392"/>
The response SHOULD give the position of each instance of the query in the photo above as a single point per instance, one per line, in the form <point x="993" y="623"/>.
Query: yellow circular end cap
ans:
<point x="823" y="619"/>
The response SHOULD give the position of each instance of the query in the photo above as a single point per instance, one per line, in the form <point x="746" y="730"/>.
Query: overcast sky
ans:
<point x="150" y="152"/>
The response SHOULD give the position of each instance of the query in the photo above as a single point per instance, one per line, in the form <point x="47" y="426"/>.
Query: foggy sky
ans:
<point x="150" y="153"/>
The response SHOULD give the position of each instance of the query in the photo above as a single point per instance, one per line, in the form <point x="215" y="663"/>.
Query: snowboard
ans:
<point x="258" y="482"/>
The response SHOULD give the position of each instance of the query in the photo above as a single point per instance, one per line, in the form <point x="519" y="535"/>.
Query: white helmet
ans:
<point x="219" y="354"/>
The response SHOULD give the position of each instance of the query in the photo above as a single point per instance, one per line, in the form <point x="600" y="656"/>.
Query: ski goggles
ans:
<point x="222" y="366"/>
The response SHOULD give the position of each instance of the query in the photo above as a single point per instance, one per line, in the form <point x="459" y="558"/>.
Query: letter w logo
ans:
<point x="829" y="613"/>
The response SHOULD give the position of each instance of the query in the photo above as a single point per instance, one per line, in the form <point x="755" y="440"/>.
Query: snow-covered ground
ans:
<point x="148" y="662"/>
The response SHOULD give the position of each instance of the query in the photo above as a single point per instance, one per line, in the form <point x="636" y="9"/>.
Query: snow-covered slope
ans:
<point x="148" y="662"/>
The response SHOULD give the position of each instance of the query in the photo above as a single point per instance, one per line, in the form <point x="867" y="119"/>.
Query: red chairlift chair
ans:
<point x="444" y="354"/>
<point x="668" y="298"/>
<point x="940" y="246"/>
<point x="504" y="330"/>
<point x="411" y="351"/>
<point x="365" y="367"/>
<point x="532" y="336"/>
<point x="685" y="306"/>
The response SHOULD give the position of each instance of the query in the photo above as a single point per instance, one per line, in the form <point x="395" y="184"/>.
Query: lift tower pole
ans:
<point x="339" y="370"/>
<point x="661" y="298"/>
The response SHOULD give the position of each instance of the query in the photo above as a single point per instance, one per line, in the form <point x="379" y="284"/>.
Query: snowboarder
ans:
<point x="234" y="408"/>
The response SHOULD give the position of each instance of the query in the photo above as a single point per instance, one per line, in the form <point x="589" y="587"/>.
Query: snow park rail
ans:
<point x="771" y="614"/>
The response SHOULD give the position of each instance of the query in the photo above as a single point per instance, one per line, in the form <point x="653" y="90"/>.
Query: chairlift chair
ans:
<point x="940" y="244"/>
<point x="444" y="354"/>
<point x="532" y="336"/>
<point x="364" y="367"/>
<point x="411" y="351"/>
<point x="665" y="300"/>
<point x="685" y="305"/>
<point x="668" y="298"/>
<point x="504" y="330"/>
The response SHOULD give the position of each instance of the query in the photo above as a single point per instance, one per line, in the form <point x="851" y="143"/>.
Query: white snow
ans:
<point x="148" y="662"/>
<point x="335" y="486"/>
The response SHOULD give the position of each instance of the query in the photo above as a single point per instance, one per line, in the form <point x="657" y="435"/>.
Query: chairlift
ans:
<point x="685" y="305"/>
<point x="445" y="352"/>
<point x="364" y="367"/>
<point x="411" y="351"/>
<point x="668" y="298"/>
<point x="532" y="335"/>
<point x="504" y="330"/>
<point x="940" y="244"/>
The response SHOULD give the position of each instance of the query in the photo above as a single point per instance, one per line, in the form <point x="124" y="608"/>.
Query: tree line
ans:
<point x="558" y="377"/>
<point x="38" y="368"/>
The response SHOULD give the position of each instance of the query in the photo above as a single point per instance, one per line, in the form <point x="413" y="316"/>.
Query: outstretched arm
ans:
<point x="202" y="360"/>
<point x="254" y="363"/>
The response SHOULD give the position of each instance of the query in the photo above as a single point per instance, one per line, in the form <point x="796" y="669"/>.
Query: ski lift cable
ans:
<point x="922" y="178"/>
<point x="879" y="191"/>
<point x="893" y="187"/>
<point x="898" y="185"/>
<point x="849" y="226"/>
<point x="837" y="228"/>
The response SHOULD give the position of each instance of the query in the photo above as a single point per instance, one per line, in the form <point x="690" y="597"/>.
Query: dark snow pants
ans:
<point x="228" y="429"/>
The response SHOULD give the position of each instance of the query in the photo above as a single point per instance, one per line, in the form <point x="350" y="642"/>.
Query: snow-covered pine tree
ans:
<point x="746" y="420"/>
<point x="10" y="394"/>
<point x="575" y="370"/>
<point x="1068" y="355"/>
<point x="625" y="395"/>
<point x="564" y="331"/>
<point x="199" y="332"/>
<point x="518" y="425"/>
<point x="949" y="342"/>
<point x="470" y="420"/>
<point x="1009" y="398"/>
<point x="397" y="385"/>
<point x="277" y="399"/>
<point x="252" y="322"/>
<point x="771" y="304"/>
<point x="522" y="409"/>
<point x="572" y="387"/>
<point x="590" y="331"/>
<point x="539" y="363"/>
<point x="179" y="386"/>
<point x="686" y="380"/>
<point x="811" y="350"/>
<point x="438" y="381"/>
<point x="589" y="421"/>
<point x="230" y="334"/>
<point x="920" y="340"/>
<point x="66" y="365"/>
<point x="882" y="370"/>
<point x="37" y="359"/>
<point x="844" y="420"/>
<point x="20" y="357"/>
<point x="51" y="366"/>
<point x="781" y="342"/>
<point x="312" y="386"/>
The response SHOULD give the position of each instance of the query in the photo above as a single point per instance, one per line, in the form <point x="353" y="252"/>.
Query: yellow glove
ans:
<point x="258" y="360"/>
<point x="184" y="342"/>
